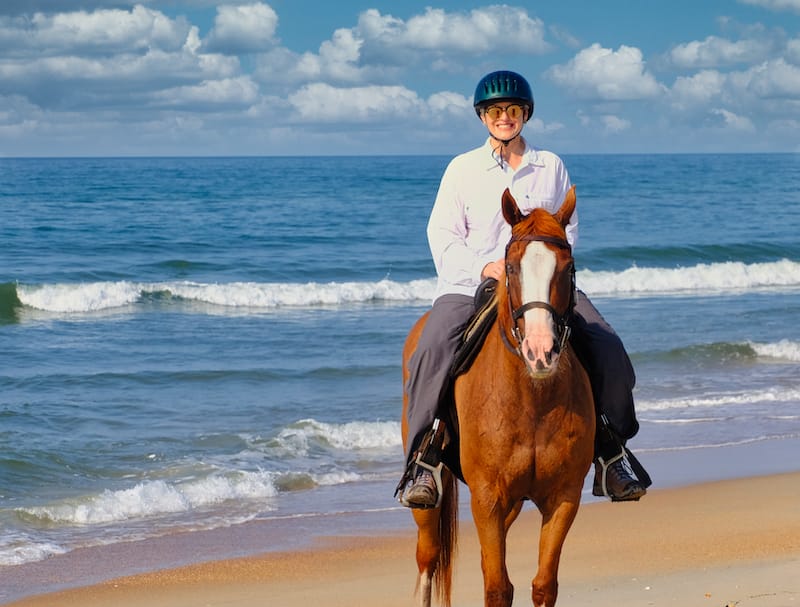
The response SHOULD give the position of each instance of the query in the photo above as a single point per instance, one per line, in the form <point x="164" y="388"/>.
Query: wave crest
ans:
<point x="705" y="279"/>
<point x="154" y="498"/>
<point x="300" y="436"/>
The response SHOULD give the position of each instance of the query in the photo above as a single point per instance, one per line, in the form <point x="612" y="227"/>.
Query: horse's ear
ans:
<point x="511" y="211"/>
<point x="567" y="207"/>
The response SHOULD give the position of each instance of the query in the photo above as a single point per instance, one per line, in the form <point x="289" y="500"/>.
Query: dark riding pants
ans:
<point x="599" y="347"/>
<point x="429" y="366"/>
<point x="610" y="370"/>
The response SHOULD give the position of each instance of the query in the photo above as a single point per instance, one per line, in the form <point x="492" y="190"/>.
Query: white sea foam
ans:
<point x="154" y="498"/>
<point x="336" y="478"/>
<point x="732" y="443"/>
<point x="81" y="297"/>
<point x="703" y="278"/>
<point x="91" y="297"/>
<point x="298" y="438"/>
<point x="274" y="295"/>
<point x="773" y="395"/>
<point x="713" y="278"/>
<point x="17" y="550"/>
<point x="784" y="349"/>
<point x="684" y="420"/>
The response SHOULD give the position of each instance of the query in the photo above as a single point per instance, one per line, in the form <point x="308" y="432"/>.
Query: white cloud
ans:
<point x="538" y="126"/>
<point x="98" y="33"/>
<point x="615" y="124"/>
<point x="495" y="27"/>
<point x="601" y="73"/>
<point x="22" y="7"/>
<point x="107" y="59"/>
<point x="715" y="52"/>
<point x="475" y="32"/>
<point x="132" y="78"/>
<point x="320" y="102"/>
<point x="689" y="92"/>
<point x="246" y="28"/>
<point x="379" y="45"/>
<point x="447" y="102"/>
<point x="770" y="80"/>
<point x="337" y="62"/>
<point x="610" y="123"/>
<point x="776" y="5"/>
<point x="765" y="93"/>
<point x="392" y="105"/>
<point x="69" y="81"/>
<point x="212" y="95"/>
<point x="733" y="121"/>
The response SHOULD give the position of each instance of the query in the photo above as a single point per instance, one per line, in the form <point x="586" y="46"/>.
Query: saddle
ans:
<point x="477" y="328"/>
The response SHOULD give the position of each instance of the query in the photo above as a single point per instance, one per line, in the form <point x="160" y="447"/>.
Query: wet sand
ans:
<point x="727" y="543"/>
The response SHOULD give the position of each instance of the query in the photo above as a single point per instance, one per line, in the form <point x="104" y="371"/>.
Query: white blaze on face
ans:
<point x="536" y="271"/>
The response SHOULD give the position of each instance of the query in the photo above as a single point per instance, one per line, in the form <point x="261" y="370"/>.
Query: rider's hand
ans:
<point x="493" y="270"/>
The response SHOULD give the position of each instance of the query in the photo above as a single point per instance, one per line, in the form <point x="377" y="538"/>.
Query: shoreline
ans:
<point x="678" y="531"/>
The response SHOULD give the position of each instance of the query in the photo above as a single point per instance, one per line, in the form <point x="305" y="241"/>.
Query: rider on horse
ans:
<point x="467" y="235"/>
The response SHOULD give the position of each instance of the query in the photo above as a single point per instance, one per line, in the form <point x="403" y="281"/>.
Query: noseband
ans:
<point x="561" y="321"/>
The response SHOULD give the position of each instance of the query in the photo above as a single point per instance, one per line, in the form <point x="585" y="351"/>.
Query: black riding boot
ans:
<point x="421" y="485"/>
<point x="618" y="475"/>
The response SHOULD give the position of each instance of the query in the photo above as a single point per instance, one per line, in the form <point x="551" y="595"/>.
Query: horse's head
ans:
<point x="539" y="283"/>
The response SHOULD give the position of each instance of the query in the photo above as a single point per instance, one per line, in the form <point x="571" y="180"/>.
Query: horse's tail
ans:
<point x="448" y="536"/>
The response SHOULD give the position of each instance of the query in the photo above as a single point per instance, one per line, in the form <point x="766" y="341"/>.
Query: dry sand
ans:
<point x="722" y="544"/>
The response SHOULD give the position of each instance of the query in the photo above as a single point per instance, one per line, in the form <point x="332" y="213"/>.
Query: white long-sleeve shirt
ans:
<point x="466" y="229"/>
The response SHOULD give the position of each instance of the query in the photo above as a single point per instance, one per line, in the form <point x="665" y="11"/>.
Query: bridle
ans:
<point x="561" y="320"/>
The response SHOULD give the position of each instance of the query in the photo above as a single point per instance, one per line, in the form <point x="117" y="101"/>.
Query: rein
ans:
<point x="561" y="321"/>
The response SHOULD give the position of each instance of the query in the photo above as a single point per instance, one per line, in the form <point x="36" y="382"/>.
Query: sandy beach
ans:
<point x="722" y="544"/>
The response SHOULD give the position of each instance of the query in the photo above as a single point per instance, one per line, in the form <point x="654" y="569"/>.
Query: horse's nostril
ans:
<point x="549" y="356"/>
<point x="531" y="355"/>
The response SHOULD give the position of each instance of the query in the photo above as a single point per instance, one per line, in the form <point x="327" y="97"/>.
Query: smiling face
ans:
<point x="504" y="119"/>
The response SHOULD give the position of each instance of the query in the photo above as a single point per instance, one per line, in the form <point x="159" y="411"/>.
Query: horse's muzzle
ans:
<point x="540" y="354"/>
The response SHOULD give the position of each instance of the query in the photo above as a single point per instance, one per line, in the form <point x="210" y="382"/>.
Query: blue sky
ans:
<point x="287" y="77"/>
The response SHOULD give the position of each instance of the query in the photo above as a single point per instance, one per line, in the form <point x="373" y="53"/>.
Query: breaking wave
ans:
<point x="705" y="279"/>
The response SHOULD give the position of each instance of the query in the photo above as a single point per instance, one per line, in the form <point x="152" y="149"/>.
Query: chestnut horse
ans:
<point x="525" y="418"/>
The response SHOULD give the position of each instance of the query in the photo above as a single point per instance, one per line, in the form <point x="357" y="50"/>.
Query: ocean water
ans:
<point x="193" y="343"/>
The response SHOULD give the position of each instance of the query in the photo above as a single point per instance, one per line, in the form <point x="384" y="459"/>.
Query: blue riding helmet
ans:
<point x="503" y="86"/>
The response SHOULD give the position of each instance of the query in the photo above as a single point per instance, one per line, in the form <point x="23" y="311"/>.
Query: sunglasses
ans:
<point x="513" y="111"/>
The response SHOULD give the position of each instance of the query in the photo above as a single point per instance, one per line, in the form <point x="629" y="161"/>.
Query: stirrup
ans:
<point x="604" y="465"/>
<point x="428" y="457"/>
<point x="436" y="472"/>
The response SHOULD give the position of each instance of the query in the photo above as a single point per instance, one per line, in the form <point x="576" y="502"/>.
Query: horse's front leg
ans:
<point x="555" y="525"/>
<point x="491" y="521"/>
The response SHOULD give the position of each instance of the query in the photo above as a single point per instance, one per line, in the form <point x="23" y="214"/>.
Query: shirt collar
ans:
<point x="529" y="157"/>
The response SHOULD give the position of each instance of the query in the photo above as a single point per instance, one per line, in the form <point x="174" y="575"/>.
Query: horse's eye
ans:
<point x="509" y="268"/>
